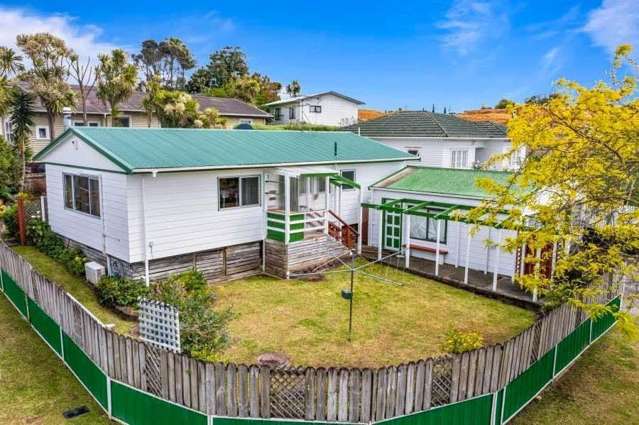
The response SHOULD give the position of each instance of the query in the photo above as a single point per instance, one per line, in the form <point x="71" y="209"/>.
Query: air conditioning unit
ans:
<point x="94" y="272"/>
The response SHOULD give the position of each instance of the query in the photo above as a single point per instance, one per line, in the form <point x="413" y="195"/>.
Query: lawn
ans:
<point x="35" y="386"/>
<point x="602" y="388"/>
<point x="74" y="285"/>
<point x="393" y="322"/>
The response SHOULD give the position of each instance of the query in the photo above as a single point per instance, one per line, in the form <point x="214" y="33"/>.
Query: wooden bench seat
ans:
<point x="442" y="251"/>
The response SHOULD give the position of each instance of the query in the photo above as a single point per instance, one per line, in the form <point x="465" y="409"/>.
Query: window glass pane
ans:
<point x="94" y="124"/>
<point x="229" y="192"/>
<point x="121" y="122"/>
<point x="250" y="191"/>
<point x="349" y="174"/>
<point x="94" y="189"/>
<point x="418" y="227"/>
<point x="81" y="193"/>
<point x="68" y="191"/>
<point x="295" y="204"/>
<point x="321" y="184"/>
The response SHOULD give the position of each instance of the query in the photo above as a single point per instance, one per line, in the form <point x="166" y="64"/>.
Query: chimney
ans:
<point x="66" y="113"/>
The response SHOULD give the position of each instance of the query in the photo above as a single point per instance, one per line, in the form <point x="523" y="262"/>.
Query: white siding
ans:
<point x="182" y="215"/>
<point x="84" y="228"/>
<point x="336" y="111"/>
<point x="481" y="258"/>
<point x="73" y="151"/>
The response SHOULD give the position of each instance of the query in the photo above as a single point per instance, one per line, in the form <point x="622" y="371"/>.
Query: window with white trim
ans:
<point x="459" y="159"/>
<point x="89" y="124"/>
<point x="291" y="113"/>
<point x="349" y="174"/>
<point x="82" y="193"/>
<point x="239" y="191"/>
<point x="316" y="109"/>
<point x="42" y="132"/>
<point x="425" y="228"/>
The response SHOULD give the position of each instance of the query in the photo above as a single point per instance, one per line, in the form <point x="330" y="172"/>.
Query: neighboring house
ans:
<point x="327" y="108"/>
<point x="440" y="140"/>
<point x="132" y="114"/>
<point x="149" y="202"/>
<point x="437" y="194"/>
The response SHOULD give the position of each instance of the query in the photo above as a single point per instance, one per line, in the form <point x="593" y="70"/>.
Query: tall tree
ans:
<point x="116" y="79"/>
<point x="177" y="59"/>
<point x="10" y="66"/>
<point x="84" y="76"/>
<point x="294" y="88"/>
<point x="21" y="116"/>
<point x="224" y="65"/>
<point x="578" y="186"/>
<point x="504" y="103"/>
<point x="149" y="59"/>
<point x="47" y="75"/>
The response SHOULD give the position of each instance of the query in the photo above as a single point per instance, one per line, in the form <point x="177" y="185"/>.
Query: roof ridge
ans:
<point x="439" y="125"/>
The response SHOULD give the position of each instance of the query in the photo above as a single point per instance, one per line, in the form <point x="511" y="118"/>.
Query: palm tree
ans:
<point x="10" y="62"/>
<point x="21" y="116"/>
<point x="294" y="88"/>
<point x="116" y="80"/>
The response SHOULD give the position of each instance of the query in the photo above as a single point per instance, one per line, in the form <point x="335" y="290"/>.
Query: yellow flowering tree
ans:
<point x="176" y="109"/>
<point x="577" y="189"/>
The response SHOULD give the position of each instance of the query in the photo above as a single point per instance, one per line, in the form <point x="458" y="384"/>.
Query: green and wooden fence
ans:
<point x="138" y="384"/>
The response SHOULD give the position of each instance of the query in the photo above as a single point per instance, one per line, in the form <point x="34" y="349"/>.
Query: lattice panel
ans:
<point x="32" y="210"/>
<point x="287" y="394"/>
<point x="152" y="365"/>
<point x="160" y="324"/>
<point x="442" y="382"/>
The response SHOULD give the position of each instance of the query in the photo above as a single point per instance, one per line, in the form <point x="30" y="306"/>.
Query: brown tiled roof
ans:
<point x="225" y="106"/>
<point x="501" y="116"/>
<point x="368" y="114"/>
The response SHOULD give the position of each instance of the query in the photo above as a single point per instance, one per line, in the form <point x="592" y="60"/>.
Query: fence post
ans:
<point x="109" y="401"/>
<point x="554" y="362"/>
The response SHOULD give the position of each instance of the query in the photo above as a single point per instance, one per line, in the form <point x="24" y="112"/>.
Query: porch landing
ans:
<point x="478" y="281"/>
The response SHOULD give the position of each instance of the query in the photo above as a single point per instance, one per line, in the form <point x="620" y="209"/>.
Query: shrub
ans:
<point x="459" y="341"/>
<point x="203" y="330"/>
<point x="39" y="233"/>
<point x="10" y="218"/>
<point x="118" y="291"/>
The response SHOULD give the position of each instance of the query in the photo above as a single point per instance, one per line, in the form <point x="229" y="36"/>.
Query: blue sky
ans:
<point x="461" y="54"/>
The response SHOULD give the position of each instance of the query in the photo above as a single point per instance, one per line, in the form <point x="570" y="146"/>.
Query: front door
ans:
<point x="392" y="232"/>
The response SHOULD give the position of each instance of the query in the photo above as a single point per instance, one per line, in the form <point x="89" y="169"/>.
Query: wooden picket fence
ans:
<point x="352" y="395"/>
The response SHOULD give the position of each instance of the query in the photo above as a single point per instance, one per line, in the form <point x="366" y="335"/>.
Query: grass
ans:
<point x="601" y="388"/>
<point x="76" y="286"/>
<point x="393" y="323"/>
<point x="35" y="386"/>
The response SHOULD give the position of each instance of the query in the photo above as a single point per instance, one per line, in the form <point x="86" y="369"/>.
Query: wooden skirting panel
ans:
<point x="301" y="256"/>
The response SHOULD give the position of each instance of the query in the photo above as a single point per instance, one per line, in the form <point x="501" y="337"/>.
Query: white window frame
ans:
<point x="46" y="132"/>
<point x="315" y="109"/>
<point x="73" y="206"/>
<point x="239" y="192"/>
<point x="341" y="173"/>
<point x="96" y="123"/>
<point x="459" y="158"/>
<point x="292" y="113"/>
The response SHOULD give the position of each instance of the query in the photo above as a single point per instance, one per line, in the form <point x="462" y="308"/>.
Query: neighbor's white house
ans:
<point x="441" y="140"/>
<point x="149" y="202"/>
<point x="326" y="108"/>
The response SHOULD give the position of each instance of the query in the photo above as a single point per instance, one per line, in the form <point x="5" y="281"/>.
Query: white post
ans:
<point x="459" y="232"/>
<point x="407" y="240"/>
<point x="554" y="259"/>
<point x="307" y="185"/>
<point x="327" y="182"/>
<point x="522" y="264"/>
<point x="287" y="209"/>
<point x="538" y="270"/>
<point x="439" y="232"/>
<point x="497" y="258"/>
<point x="380" y="234"/>
<point x="43" y="208"/>
<point x="360" y="223"/>
<point x="339" y="200"/>
<point x="468" y="242"/>
<point x="147" y="279"/>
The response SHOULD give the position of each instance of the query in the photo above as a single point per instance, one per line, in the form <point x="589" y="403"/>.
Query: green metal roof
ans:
<point x="142" y="150"/>
<point x="445" y="181"/>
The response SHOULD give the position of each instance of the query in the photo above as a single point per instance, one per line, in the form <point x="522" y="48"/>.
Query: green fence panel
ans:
<point x="526" y="386"/>
<point x="571" y="346"/>
<point x="46" y="326"/>
<point x="15" y="293"/>
<point x="87" y="372"/>
<point x="499" y="402"/>
<point x="476" y="411"/>
<point x="603" y="323"/>
<point x="138" y="408"/>
<point x="257" y="421"/>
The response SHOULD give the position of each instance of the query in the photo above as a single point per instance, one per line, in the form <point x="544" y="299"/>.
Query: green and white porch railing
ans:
<point x="278" y="228"/>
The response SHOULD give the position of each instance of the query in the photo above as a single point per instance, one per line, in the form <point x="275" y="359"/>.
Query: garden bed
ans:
<point x="401" y="318"/>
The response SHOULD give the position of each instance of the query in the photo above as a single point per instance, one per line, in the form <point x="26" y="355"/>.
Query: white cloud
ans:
<point x="613" y="23"/>
<point x="470" y="22"/>
<point x="550" y="61"/>
<point x="84" y="39"/>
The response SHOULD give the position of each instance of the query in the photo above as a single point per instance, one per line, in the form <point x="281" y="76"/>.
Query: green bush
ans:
<point x="203" y="330"/>
<point x="459" y="341"/>
<point x="10" y="218"/>
<point x="40" y="234"/>
<point x="118" y="291"/>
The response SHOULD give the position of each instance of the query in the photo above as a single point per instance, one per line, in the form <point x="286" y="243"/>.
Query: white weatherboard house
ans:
<point x="149" y="202"/>
<point x="441" y="140"/>
<point x="326" y="108"/>
<point x="421" y="212"/>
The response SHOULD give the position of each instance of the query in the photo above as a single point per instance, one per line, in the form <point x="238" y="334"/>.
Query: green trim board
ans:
<point x="169" y="149"/>
<point x="474" y="411"/>
<point x="48" y="329"/>
<point x="15" y="294"/>
<point x="86" y="371"/>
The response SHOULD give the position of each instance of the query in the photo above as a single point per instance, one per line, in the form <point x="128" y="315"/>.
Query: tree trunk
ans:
<point x="51" y="121"/>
